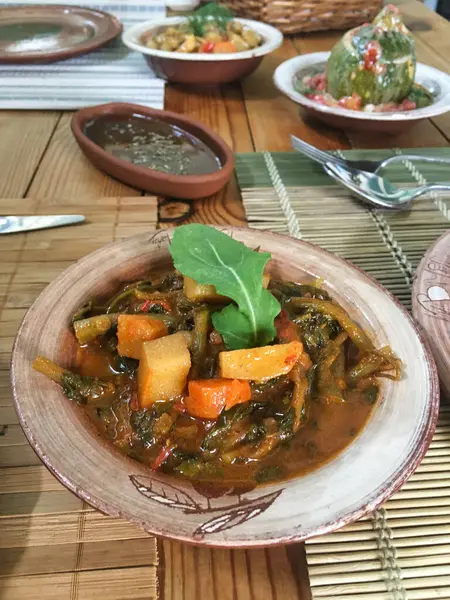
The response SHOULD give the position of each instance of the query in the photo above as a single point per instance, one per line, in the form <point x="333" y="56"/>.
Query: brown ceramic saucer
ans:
<point x="157" y="182"/>
<point x="47" y="33"/>
<point x="431" y="304"/>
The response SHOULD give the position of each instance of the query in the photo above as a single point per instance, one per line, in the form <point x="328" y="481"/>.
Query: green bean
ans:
<point x="201" y="326"/>
<point x="336" y="312"/>
<point x="118" y="299"/>
<point x="368" y="365"/>
<point x="329" y="385"/>
<point x="86" y="330"/>
<point x="298" y="394"/>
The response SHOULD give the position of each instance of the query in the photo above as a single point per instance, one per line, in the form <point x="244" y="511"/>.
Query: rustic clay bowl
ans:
<point x="352" y="485"/>
<point x="157" y="182"/>
<point x="201" y="68"/>
<point x="44" y="34"/>
<point x="353" y="120"/>
<point x="431" y="304"/>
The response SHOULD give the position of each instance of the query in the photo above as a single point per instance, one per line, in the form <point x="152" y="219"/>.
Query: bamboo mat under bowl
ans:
<point x="402" y="552"/>
<point x="54" y="546"/>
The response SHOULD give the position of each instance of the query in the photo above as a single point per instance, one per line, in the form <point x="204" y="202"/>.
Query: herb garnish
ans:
<point x="212" y="257"/>
<point x="210" y="13"/>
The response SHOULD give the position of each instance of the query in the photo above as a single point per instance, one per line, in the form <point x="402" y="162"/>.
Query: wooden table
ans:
<point x="40" y="159"/>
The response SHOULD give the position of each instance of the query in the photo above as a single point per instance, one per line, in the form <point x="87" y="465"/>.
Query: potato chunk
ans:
<point x="260" y="364"/>
<point x="201" y="292"/>
<point x="133" y="330"/>
<point x="163" y="369"/>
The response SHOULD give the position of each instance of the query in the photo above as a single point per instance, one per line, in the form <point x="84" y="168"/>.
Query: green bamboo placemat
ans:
<point x="401" y="552"/>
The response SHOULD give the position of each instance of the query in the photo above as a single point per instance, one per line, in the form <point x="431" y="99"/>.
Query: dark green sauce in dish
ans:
<point x="154" y="144"/>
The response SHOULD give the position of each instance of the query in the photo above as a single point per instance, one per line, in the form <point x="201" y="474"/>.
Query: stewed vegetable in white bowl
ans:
<point x="211" y="47"/>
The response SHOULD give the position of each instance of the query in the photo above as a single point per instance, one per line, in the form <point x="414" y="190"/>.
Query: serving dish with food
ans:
<point x="45" y="34"/>
<point x="369" y="80"/>
<point x="431" y="304"/>
<point x="158" y="151"/>
<point x="209" y="47"/>
<point x="211" y="391"/>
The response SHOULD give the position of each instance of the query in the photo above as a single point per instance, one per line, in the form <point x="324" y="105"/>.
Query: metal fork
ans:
<point x="371" y="166"/>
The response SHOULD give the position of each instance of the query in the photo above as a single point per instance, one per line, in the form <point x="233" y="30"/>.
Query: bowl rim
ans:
<point x="130" y="37"/>
<point x="283" y="80"/>
<point x="82" y="116"/>
<point x="426" y="320"/>
<point x="395" y="482"/>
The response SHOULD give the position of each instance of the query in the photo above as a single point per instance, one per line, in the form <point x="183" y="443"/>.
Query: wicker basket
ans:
<point x="294" y="16"/>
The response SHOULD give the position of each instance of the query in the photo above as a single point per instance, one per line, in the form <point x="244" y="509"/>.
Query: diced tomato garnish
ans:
<point x="165" y="305"/>
<point x="407" y="105"/>
<point x="352" y="102"/>
<point x="392" y="8"/>
<point x="215" y="337"/>
<point x="162" y="456"/>
<point x="319" y="98"/>
<point x="207" y="47"/>
<point x="179" y="406"/>
<point x="318" y="82"/>
<point x="372" y="55"/>
<point x="134" y="404"/>
<point x="289" y="360"/>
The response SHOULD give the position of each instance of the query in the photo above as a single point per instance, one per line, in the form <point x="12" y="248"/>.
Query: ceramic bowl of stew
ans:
<point x="200" y="68"/>
<point x="154" y="150"/>
<point x="349" y="456"/>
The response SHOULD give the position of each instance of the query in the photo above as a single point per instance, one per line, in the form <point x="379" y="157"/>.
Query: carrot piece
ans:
<point x="224" y="48"/>
<point x="208" y="397"/>
<point x="133" y="330"/>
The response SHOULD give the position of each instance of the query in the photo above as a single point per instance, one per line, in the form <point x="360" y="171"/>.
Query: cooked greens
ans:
<point x="155" y="371"/>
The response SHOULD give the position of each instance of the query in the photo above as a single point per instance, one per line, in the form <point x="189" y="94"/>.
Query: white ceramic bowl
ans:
<point x="350" y="486"/>
<point x="201" y="68"/>
<point x="392" y="122"/>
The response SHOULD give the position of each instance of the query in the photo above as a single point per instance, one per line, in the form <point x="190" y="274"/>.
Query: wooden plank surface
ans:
<point x="50" y="540"/>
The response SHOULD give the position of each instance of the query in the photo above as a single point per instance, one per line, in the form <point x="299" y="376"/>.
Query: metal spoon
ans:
<point x="373" y="166"/>
<point x="376" y="190"/>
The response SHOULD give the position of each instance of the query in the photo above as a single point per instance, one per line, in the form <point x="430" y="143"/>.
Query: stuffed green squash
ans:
<point x="371" y="68"/>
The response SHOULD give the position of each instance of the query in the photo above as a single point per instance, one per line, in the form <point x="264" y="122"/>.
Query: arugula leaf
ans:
<point x="212" y="257"/>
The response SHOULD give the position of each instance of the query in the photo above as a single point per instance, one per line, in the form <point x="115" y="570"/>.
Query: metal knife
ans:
<point x="17" y="224"/>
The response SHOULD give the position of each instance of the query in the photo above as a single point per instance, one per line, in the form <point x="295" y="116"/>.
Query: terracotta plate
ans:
<point x="436" y="81"/>
<point x="47" y="33"/>
<point x="361" y="478"/>
<point x="431" y="304"/>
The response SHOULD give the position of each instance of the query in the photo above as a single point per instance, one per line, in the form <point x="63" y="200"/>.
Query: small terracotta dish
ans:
<point x="378" y="461"/>
<point x="201" y="68"/>
<point x="436" y="81"/>
<point x="47" y="33"/>
<point x="431" y="304"/>
<point x="109" y="132"/>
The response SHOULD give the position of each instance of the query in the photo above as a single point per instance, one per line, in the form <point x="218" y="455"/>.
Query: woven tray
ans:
<point x="295" y="16"/>
<point x="402" y="552"/>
